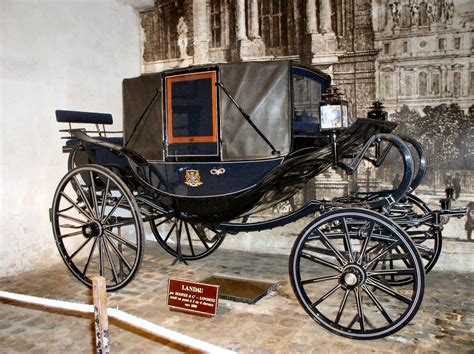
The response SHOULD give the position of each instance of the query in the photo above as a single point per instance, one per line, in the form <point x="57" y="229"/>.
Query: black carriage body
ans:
<point x="204" y="159"/>
<point x="201" y="157"/>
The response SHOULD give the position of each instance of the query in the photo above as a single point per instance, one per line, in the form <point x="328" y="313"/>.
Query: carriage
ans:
<point x="204" y="148"/>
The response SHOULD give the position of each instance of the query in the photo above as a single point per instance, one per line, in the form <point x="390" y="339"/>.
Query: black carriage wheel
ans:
<point x="196" y="240"/>
<point x="337" y="275"/>
<point x="426" y="237"/>
<point x="97" y="226"/>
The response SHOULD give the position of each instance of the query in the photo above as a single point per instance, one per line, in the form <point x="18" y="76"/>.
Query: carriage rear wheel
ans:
<point x="194" y="241"/>
<point x="337" y="274"/>
<point x="97" y="226"/>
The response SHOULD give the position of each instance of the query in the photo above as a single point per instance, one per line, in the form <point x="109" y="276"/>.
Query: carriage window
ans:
<point x="191" y="114"/>
<point x="306" y="98"/>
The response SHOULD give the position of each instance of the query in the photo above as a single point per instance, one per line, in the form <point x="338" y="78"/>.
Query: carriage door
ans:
<point x="191" y="122"/>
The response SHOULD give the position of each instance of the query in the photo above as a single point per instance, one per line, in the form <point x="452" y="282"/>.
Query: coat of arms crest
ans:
<point x="193" y="178"/>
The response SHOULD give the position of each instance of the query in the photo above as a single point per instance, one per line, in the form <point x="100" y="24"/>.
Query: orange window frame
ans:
<point x="169" y="113"/>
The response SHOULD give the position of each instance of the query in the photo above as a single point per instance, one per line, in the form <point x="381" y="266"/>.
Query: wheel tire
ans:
<point x="341" y="251"/>
<point x="94" y="202"/>
<point x="196" y="241"/>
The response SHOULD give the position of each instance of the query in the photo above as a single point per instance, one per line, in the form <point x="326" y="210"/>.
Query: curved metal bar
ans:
<point x="309" y="208"/>
<point x="120" y="150"/>
<point x="389" y="197"/>
<point x="422" y="165"/>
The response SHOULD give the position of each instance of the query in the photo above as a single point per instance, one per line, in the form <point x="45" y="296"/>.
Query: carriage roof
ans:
<point x="194" y="116"/>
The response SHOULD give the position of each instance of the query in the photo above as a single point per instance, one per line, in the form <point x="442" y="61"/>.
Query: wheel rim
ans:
<point x="196" y="241"/>
<point x="337" y="274"/>
<point x="97" y="227"/>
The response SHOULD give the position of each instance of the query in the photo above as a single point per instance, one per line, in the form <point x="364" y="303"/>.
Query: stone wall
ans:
<point x="335" y="36"/>
<point x="55" y="55"/>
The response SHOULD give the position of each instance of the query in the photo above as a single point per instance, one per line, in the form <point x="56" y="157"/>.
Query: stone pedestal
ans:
<point x="323" y="48"/>
<point x="251" y="49"/>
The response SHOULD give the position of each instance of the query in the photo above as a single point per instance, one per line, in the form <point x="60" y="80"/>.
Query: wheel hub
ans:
<point x="353" y="276"/>
<point x="93" y="229"/>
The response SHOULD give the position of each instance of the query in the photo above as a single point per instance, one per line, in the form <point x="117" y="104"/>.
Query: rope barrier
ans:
<point x="121" y="316"/>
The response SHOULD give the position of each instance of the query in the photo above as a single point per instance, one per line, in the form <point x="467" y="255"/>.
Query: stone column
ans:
<point x="324" y="41"/>
<point x="326" y="12"/>
<point x="415" y="91"/>
<point x="253" y="30"/>
<point x="200" y="32"/>
<point x="240" y="19"/>
<point x="311" y="17"/>
<point x="253" y="47"/>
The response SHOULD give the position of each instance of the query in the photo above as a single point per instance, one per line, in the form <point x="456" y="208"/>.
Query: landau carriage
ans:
<point x="205" y="147"/>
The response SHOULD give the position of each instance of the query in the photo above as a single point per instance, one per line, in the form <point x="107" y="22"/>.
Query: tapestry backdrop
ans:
<point x="413" y="55"/>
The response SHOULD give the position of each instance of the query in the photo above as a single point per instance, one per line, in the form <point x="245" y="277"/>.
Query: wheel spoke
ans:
<point x="200" y="237"/>
<point x="104" y="199"/>
<point x="378" y="304"/>
<point x="347" y="239"/>
<point x="189" y="239"/>
<point x="70" y="218"/>
<point x="75" y="205"/>
<point x="320" y="261"/>
<point x="130" y="221"/>
<point x="80" y="248"/>
<point x="403" y="258"/>
<point x="71" y="234"/>
<point x="328" y="244"/>
<point x="111" y="261"/>
<point x="382" y="254"/>
<point x="325" y="296"/>
<point x="83" y="196"/>
<point x="389" y="291"/>
<point x="119" y="253"/>
<point x="113" y="209"/>
<point x="170" y="232"/>
<point x="392" y="271"/>
<point x="94" y="195"/>
<point x="163" y="221"/>
<point x="89" y="258"/>
<point x="320" y="279"/>
<point x="353" y="321"/>
<point x="101" y="259"/>
<point x="121" y="240"/>
<point x="342" y="306"/>
<point x="360" y="312"/>
<point x="365" y="243"/>
<point x="179" y="229"/>
<point x="65" y="209"/>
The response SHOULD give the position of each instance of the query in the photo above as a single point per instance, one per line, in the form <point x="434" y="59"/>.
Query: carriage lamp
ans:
<point x="334" y="111"/>
<point x="377" y="112"/>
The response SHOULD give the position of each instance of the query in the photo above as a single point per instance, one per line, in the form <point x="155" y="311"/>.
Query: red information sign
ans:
<point x="197" y="298"/>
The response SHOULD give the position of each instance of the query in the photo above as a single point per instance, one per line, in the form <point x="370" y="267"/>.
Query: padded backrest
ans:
<point x="83" y="117"/>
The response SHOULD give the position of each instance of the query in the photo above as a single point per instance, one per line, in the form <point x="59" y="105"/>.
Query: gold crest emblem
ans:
<point x="193" y="178"/>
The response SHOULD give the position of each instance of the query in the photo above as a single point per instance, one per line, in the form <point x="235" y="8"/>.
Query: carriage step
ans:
<point x="241" y="290"/>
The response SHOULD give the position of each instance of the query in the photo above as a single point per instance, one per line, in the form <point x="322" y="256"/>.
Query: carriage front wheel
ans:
<point x="97" y="226"/>
<point x="337" y="273"/>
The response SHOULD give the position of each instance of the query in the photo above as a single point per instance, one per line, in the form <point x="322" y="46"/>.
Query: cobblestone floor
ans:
<point x="276" y="323"/>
